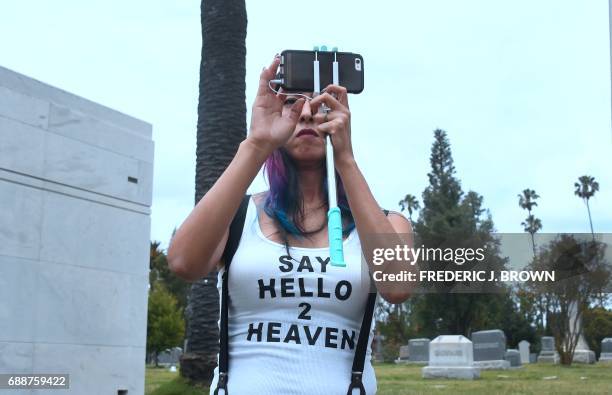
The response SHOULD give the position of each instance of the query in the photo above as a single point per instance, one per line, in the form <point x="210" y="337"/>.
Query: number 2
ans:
<point x="304" y="314"/>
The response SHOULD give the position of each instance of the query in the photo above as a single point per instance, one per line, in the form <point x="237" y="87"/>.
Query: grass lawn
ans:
<point x="160" y="381"/>
<point x="578" y="379"/>
<point x="406" y="379"/>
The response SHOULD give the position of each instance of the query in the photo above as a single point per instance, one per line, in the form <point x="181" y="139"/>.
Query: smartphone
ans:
<point x="297" y="70"/>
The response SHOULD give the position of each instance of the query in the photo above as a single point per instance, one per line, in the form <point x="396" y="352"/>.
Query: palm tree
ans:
<point x="585" y="189"/>
<point x="532" y="225"/>
<point x="154" y="254"/>
<point x="220" y="129"/>
<point x="527" y="201"/>
<point x="410" y="203"/>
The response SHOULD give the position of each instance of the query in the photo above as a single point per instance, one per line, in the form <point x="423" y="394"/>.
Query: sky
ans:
<point x="521" y="87"/>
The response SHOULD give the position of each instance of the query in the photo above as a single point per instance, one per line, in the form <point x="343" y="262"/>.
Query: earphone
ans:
<point x="283" y="93"/>
<point x="289" y="93"/>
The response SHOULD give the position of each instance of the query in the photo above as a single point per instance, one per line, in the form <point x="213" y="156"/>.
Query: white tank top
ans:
<point x="293" y="323"/>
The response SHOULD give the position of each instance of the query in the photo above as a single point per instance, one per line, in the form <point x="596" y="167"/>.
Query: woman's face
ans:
<point x="306" y="145"/>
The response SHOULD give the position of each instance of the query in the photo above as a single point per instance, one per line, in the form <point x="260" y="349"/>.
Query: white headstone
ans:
<point x="451" y="357"/>
<point x="524" y="350"/>
<point x="582" y="352"/>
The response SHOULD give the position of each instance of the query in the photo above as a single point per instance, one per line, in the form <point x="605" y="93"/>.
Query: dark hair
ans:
<point x="285" y="201"/>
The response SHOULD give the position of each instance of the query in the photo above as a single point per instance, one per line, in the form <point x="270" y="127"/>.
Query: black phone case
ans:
<point x="297" y="70"/>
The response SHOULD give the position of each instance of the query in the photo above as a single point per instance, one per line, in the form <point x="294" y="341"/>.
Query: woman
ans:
<point x="293" y="318"/>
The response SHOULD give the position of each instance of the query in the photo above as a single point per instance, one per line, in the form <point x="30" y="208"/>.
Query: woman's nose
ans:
<point x="306" y="114"/>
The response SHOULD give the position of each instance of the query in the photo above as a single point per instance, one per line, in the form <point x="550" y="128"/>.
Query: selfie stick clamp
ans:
<point x="334" y="217"/>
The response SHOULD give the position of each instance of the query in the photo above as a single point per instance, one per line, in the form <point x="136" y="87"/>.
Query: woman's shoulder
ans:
<point x="258" y="198"/>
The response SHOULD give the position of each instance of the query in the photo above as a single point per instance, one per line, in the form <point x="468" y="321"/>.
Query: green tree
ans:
<point x="165" y="324"/>
<point x="581" y="273"/>
<point x="450" y="219"/>
<point x="585" y="189"/>
<point x="220" y="129"/>
<point x="504" y="312"/>
<point x="597" y="323"/>
<point x="159" y="271"/>
<point x="410" y="203"/>
<point x="395" y="328"/>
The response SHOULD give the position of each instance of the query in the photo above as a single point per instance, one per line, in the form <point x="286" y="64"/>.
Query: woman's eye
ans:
<point x="290" y="101"/>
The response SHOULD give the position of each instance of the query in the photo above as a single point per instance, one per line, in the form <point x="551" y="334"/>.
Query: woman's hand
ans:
<point x="269" y="128"/>
<point x="338" y="122"/>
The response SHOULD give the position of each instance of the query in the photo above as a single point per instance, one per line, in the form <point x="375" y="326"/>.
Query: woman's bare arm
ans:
<point x="199" y="242"/>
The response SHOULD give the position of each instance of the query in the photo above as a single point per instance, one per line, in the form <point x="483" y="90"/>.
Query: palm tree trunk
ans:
<point x="221" y="127"/>
<point x="590" y="221"/>
<point x="533" y="244"/>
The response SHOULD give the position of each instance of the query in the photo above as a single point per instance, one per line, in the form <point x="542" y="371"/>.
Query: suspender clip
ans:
<point x="221" y="384"/>
<point x="356" y="383"/>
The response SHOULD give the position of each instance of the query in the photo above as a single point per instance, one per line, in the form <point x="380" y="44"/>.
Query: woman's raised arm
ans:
<point x="198" y="244"/>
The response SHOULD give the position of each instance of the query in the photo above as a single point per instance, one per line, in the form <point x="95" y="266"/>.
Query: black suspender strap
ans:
<point x="235" y="232"/>
<point x="362" y="344"/>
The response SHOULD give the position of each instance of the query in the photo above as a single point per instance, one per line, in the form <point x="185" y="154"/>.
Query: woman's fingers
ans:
<point x="332" y="125"/>
<point x="267" y="74"/>
<point x="340" y="93"/>
<point x="320" y="118"/>
<point x="328" y="100"/>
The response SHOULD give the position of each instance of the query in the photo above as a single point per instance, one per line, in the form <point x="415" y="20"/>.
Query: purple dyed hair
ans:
<point x="284" y="201"/>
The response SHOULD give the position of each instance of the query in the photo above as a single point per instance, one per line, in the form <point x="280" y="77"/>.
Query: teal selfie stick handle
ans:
<point x="334" y="223"/>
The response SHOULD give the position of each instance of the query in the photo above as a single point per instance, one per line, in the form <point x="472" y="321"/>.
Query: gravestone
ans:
<point x="403" y="355"/>
<point x="533" y="357"/>
<point x="606" y="350"/>
<point x="170" y="356"/>
<point x="378" y="347"/>
<point x="419" y="350"/>
<point x="490" y="349"/>
<point x="451" y="357"/>
<point x="582" y="352"/>
<point x="548" y="354"/>
<point x="514" y="357"/>
<point x="524" y="351"/>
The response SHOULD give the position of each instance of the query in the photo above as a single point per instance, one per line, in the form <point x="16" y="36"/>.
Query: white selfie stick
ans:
<point x="334" y="217"/>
